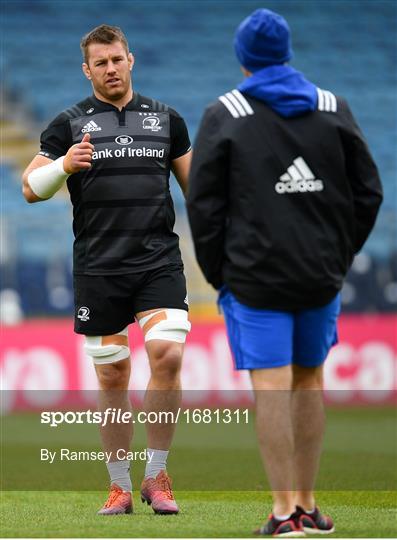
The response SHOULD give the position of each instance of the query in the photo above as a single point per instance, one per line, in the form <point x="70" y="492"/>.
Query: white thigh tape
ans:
<point x="106" y="354"/>
<point x="174" y="326"/>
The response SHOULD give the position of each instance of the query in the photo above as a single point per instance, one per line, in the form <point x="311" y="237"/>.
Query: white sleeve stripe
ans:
<point x="236" y="103"/>
<point x="333" y="102"/>
<point x="326" y="101"/>
<point x="320" y="99"/>
<point x="229" y="106"/>
<point x="243" y="101"/>
<point x="328" y="94"/>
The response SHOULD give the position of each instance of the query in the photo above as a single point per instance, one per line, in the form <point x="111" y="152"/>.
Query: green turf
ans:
<point x="217" y="471"/>
<point x="203" y="514"/>
<point x="359" y="454"/>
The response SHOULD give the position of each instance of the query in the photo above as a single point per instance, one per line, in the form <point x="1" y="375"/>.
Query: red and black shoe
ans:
<point x="316" y="522"/>
<point x="290" y="527"/>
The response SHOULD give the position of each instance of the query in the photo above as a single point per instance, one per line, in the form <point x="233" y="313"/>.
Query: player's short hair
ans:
<point x="102" y="34"/>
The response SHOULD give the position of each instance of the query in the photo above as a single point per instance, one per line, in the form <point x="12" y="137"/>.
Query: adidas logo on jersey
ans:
<point x="91" y="126"/>
<point x="298" y="179"/>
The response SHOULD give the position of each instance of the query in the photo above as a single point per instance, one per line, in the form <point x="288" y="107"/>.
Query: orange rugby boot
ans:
<point x="158" y="492"/>
<point x="119" y="502"/>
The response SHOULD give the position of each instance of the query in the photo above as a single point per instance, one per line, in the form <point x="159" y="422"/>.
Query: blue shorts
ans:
<point x="262" y="338"/>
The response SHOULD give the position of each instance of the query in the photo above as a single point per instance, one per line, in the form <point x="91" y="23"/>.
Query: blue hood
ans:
<point x="283" y="88"/>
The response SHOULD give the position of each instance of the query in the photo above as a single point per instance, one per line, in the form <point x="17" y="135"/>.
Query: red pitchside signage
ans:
<point x="47" y="355"/>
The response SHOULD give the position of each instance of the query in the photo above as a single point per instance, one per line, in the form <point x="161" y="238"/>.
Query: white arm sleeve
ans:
<point x="47" y="180"/>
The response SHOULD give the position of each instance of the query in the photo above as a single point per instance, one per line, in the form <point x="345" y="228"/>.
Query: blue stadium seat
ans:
<point x="184" y="57"/>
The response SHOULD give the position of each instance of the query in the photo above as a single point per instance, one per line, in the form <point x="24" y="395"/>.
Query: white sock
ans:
<point x="158" y="462"/>
<point x="119" y="472"/>
<point x="282" y="517"/>
<point x="310" y="511"/>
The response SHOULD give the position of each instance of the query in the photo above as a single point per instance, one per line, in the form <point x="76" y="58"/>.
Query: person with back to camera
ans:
<point x="283" y="192"/>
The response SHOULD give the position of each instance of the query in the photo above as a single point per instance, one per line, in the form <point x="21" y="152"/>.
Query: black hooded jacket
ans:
<point x="279" y="206"/>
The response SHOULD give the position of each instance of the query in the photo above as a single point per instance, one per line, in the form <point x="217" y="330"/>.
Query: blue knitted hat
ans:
<point x="263" y="39"/>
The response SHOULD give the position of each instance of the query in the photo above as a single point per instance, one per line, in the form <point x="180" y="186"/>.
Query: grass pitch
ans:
<point x="218" y="478"/>
<point x="203" y="514"/>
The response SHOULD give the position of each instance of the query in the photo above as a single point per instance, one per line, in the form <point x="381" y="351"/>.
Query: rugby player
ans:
<point x="283" y="192"/>
<point x="115" y="150"/>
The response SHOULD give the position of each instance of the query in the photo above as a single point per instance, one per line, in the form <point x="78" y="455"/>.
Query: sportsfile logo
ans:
<point x="91" y="126"/>
<point x="298" y="179"/>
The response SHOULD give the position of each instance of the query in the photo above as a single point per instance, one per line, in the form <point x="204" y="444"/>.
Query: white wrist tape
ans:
<point x="47" y="180"/>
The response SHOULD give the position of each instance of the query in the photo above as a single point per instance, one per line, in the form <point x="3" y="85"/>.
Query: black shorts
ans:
<point x="105" y="305"/>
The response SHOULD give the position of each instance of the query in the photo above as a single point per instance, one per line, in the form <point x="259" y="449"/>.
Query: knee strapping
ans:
<point x="166" y="324"/>
<point x="108" y="349"/>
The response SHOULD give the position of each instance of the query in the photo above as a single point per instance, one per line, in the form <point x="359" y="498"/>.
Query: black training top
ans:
<point x="278" y="206"/>
<point x="123" y="214"/>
